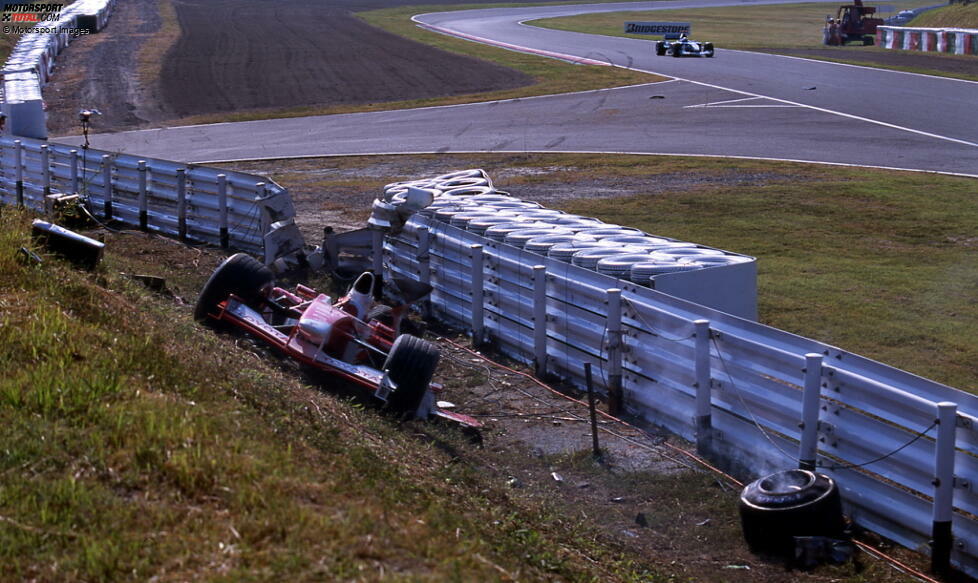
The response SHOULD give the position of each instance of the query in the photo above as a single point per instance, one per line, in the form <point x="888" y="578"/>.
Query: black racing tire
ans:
<point x="660" y="48"/>
<point x="240" y="275"/>
<point x="410" y="364"/>
<point x="787" y="504"/>
<point x="708" y="49"/>
<point x="676" y="52"/>
<point x="381" y="313"/>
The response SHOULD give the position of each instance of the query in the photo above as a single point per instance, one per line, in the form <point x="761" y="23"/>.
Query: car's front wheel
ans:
<point x="239" y="274"/>
<point x="410" y="365"/>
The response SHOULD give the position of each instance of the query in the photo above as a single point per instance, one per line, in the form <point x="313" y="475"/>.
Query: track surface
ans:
<point x="744" y="104"/>
<point x="932" y="104"/>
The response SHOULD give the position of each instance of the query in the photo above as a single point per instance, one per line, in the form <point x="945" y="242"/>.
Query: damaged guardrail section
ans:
<point x="903" y="449"/>
<point x="193" y="203"/>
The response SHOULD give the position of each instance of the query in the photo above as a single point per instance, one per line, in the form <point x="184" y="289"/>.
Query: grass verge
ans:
<point x="138" y="446"/>
<point x="779" y="28"/>
<point x="871" y="261"/>
<point x="954" y="16"/>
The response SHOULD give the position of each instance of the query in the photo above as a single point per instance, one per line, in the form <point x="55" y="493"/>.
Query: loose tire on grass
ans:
<point x="240" y="275"/>
<point x="410" y="364"/>
<point x="787" y="504"/>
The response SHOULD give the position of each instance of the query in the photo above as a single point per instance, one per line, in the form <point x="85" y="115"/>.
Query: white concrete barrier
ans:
<point x="959" y="41"/>
<point x="32" y="61"/>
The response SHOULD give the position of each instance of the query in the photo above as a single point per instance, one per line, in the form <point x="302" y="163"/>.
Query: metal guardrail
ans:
<point x="752" y="396"/>
<point x="190" y="202"/>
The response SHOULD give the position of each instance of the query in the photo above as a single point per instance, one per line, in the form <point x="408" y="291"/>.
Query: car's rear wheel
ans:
<point x="240" y="275"/>
<point x="411" y="365"/>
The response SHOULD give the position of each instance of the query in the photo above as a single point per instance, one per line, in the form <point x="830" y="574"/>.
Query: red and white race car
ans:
<point x="355" y="338"/>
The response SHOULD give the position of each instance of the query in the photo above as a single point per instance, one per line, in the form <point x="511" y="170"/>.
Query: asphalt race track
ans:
<point x="738" y="104"/>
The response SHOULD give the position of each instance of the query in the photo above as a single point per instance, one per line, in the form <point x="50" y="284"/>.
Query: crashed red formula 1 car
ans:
<point x="356" y="338"/>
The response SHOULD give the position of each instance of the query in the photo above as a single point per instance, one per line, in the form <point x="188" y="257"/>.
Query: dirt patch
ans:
<point x="303" y="53"/>
<point x="956" y="64"/>
<point x="99" y="71"/>
<point x="644" y="495"/>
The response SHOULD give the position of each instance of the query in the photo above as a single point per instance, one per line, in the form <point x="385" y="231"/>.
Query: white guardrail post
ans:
<point x="222" y="204"/>
<point x="377" y="250"/>
<point x="73" y="170"/>
<point x="615" y="396"/>
<point x="540" y="319"/>
<point x="107" y="186"/>
<point x="807" y="449"/>
<point x="424" y="264"/>
<point x="143" y="207"/>
<point x="265" y="220"/>
<point x="46" y="171"/>
<point x="704" y="418"/>
<point x="19" y="161"/>
<point x="478" y="295"/>
<point x="182" y="203"/>
<point x="947" y="420"/>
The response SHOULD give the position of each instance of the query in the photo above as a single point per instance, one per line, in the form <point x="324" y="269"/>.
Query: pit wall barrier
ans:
<point x="903" y="449"/>
<point x="193" y="203"/>
<point x="32" y="61"/>
<point x="959" y="41"/>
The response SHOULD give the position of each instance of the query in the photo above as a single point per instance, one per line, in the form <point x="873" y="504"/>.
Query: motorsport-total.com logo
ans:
<point x="30" y="13"/>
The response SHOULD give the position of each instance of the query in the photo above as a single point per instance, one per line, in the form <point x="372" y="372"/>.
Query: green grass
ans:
<point x="742" y="27"/>
<point x="137" y="444"/>
<point x="883" y="264"/>
<point x="769" y="28"/>
<point x="955" y="15"/>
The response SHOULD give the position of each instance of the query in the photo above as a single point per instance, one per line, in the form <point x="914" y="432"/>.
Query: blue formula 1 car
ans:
<point x="684" y="48"/>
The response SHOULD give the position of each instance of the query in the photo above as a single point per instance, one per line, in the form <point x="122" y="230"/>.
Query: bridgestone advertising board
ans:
<point x="667" y="29"/>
